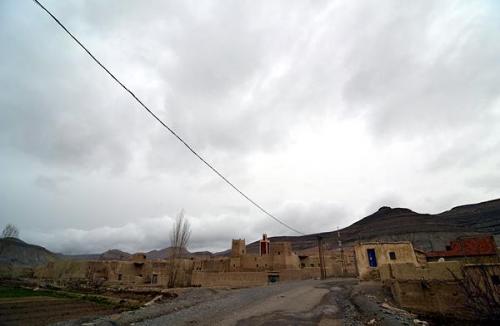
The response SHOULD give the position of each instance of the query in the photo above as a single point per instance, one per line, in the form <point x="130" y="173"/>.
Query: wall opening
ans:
<point x="392" y="255"/>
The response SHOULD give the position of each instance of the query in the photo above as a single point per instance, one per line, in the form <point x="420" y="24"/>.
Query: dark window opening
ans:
<point x="155" y="279"/>
<point x="392" y="255"/>
<point x="448" y="248"/>
<point x="495" y="279"/>
<point x="257" y="265"/>
<point x="278" y="252"/>
<point x="312" y="265"/>
<point x="119" y="277"/>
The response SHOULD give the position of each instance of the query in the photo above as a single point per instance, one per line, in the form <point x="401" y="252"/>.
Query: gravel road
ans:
<point x="310" y="302"/>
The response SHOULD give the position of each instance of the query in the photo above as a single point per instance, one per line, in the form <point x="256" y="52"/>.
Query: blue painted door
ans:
<point x="372" y="258"/>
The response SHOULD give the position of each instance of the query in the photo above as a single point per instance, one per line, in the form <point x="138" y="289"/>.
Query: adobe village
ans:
<point x="364" y="274"/>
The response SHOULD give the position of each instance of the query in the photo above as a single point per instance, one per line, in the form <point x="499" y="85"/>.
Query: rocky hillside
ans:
<point x="426" y="231"/>
<point x="19" y="253"/>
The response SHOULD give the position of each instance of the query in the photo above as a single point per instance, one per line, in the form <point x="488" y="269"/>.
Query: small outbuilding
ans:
<point x="371" y="255"/>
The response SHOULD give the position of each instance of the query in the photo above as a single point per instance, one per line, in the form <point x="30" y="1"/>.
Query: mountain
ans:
<point x="426" y="231"/>
<point x="164" y="253"/>
<point x="114" y="254"/>
<point x="15" y="252"/>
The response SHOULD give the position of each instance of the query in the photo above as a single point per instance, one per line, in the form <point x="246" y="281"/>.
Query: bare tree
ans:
<point x="10" y="231"/>
<point x="179" y="240"/>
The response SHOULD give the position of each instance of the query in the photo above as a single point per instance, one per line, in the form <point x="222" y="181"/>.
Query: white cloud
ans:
<point x="320" y="112"/>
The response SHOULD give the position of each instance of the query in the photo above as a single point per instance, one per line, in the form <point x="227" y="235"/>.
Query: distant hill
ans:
<point x="115" y="254"/>
<point x="163" y="253"/>
<point x="15" y="252"/>
<point x="426" y="231"/>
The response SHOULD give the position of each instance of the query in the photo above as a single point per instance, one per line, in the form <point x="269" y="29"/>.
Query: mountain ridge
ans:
<point x="426" y="231"/>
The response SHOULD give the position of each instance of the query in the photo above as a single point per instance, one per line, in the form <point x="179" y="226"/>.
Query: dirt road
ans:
<point x="311" y="302"/>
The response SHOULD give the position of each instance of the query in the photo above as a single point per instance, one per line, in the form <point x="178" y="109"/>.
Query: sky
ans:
<point x="321" y="111"/>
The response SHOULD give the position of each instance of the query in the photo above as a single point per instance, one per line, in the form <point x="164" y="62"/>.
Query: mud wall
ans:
<point x="230" y="279"/>
<point x="447" y="288"/>
<point x="402" y="253"/>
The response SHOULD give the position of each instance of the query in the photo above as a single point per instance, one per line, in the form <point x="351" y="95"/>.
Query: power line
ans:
<point x="163" y="123"/>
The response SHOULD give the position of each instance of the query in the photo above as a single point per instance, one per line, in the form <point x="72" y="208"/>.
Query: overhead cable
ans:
<point x="189" y="147"/>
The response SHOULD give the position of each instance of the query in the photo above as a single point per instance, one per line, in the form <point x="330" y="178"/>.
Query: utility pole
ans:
<point x="321" y="257"/>
<point x="342" y="263"/>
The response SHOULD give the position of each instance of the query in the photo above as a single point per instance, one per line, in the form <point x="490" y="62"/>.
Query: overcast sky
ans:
<point x="322" y="111"/>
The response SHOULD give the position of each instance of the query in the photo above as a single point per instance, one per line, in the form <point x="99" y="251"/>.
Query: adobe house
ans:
<point x="371" y="255"/>
<point x="473" y="249"/>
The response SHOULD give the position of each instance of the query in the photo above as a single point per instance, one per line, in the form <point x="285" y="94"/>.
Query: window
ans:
<point x="278" y="252"/>
<point x="257" y="265"/>
<point x="312" y="265"/>
<point x="392" y="255"/>
<point x="495" y="279"/>
<point x="119" y="277"/>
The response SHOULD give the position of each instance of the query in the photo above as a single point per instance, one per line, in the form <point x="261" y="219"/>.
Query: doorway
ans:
<point x="372" y="258"/>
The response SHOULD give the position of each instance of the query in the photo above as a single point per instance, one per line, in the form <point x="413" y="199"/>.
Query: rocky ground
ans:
<point x="311" y="302"/>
